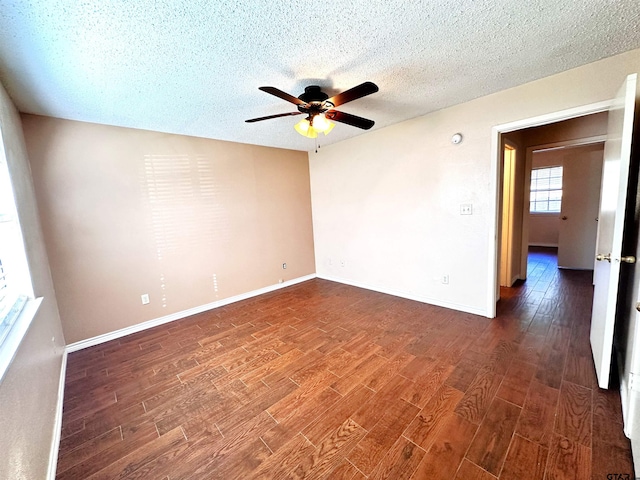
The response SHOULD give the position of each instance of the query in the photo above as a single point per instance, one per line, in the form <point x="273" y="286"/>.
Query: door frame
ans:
<point x="506" y="260"/>
<point x="493" y="290"/>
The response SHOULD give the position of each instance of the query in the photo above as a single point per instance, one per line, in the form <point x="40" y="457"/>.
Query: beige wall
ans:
<point x="574" y="129"/>
<point x="29" y="389"/>
<point x="187" y="220"/>
<point x="544" y="230"/>
<point x="387" y="202"/>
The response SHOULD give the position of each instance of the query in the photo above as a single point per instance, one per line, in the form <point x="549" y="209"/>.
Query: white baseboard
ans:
<point x="90" y="342"/>
<point x="410" y="296"/>
<point x="57" y="426"/>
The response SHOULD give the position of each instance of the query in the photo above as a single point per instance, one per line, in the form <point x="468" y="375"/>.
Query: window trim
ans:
<point x="545" y="214"/>
<point x="22" y="306"/>
<point x="16" y="334"/>
<point x="531" y="191"/>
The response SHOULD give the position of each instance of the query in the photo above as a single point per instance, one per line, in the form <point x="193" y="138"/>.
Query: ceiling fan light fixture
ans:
<point x="321" y="124"/>
<point x="304" y="128"/>
<point x="318" y="107"/>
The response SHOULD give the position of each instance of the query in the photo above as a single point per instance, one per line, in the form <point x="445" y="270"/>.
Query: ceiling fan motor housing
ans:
<point x="314" y="99"/>
<point x="313" y="93"/>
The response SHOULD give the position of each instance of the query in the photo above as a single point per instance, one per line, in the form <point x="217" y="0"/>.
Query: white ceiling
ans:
<point x="194" y="66"/>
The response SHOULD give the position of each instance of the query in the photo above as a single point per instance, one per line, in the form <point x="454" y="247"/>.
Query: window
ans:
<point x="15" y="281"/>
<point x="546" y="190"/>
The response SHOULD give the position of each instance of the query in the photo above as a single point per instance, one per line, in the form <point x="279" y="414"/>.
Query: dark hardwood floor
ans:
<point x="323" y="380"/>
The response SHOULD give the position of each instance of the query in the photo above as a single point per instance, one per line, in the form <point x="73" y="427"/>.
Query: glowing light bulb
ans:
<point x="321" y="124"/>
<point x="304" y="128"/>
<point x="303" y="125"/>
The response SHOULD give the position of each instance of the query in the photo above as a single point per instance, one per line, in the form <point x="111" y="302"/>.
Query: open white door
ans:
<point x="613" y="202"/>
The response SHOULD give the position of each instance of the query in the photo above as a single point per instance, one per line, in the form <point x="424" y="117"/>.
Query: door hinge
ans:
<point x="633" y="382"/>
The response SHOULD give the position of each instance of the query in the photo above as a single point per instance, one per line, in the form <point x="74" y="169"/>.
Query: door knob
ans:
<point x="628" y="259"/>
<point x="564" y="217"/>
<point x="601" y="257"/>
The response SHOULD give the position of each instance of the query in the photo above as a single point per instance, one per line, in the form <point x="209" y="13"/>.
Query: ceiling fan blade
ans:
<point x="283" y="95"/>
<point x="349" y="119"/>
<point x="272" y="116"/>
<point x="362" y="90"/>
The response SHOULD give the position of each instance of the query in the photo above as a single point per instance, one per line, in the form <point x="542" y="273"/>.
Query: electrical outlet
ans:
<point x="466" y="209"/>
<point x="284" y="266"/>
<point x="145" y="298"/>
<point x="445" y="279"/>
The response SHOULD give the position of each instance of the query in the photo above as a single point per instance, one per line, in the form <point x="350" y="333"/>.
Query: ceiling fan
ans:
<point x="319" y="108"/>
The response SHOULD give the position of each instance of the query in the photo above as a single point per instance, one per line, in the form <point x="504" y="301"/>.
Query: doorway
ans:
<point x="617" y="245"/>
<point x="560" y="132"/>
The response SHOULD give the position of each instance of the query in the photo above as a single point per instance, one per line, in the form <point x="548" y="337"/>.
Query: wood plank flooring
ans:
<point x="323" y="380"/>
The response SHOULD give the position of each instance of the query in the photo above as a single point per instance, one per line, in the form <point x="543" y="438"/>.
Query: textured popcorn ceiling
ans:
<point x="194" y="66"/>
